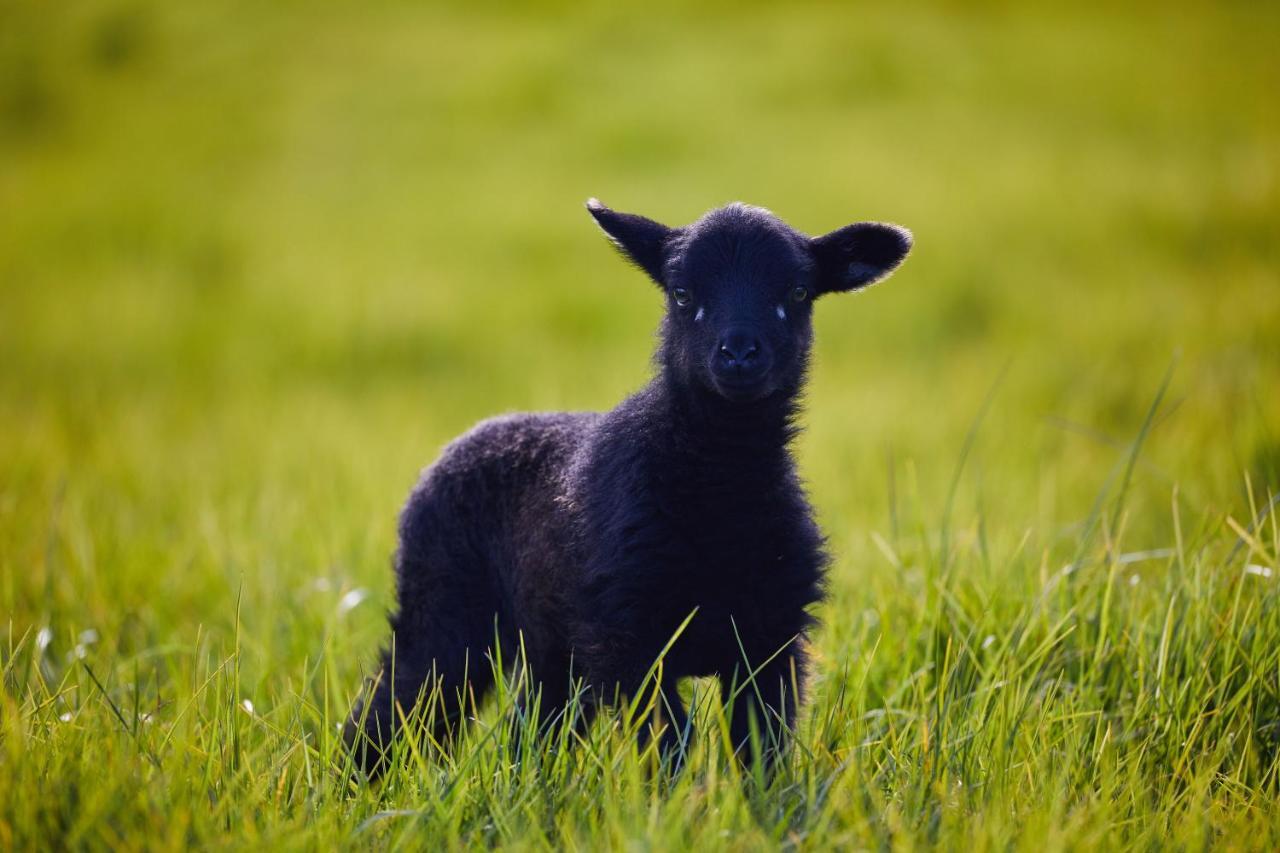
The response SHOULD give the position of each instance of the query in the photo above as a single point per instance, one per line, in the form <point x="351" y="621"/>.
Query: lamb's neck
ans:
<point x="750" y="435"/>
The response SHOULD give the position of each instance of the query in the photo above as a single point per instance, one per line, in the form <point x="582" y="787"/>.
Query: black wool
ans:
<point x="587" y="539"/>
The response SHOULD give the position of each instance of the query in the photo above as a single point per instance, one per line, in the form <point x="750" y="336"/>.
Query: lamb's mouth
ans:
<point x="741" y="389"/>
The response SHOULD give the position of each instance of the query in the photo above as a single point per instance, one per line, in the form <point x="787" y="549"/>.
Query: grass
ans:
<point x="257" y="264"/>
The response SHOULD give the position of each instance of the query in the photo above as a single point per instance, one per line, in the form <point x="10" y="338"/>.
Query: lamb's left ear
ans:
<point x="643" y="241"/>
<point x="858" y="255"/>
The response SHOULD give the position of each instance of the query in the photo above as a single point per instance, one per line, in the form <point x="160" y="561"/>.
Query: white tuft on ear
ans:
<point x="640" y="239"/>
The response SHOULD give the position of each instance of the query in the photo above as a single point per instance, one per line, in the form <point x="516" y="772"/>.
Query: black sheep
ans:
<point x="587" y="539"/>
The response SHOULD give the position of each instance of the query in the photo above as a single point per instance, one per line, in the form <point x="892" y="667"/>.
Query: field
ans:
<point x="259" y="262"/>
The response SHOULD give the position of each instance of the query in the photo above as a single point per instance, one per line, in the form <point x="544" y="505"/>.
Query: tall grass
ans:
<point x="1124" y="697"/>
<point x="258" y="263"/>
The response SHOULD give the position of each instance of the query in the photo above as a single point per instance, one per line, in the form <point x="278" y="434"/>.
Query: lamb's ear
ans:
<point x="858" y="255"/>
<point x="641" y="240"/>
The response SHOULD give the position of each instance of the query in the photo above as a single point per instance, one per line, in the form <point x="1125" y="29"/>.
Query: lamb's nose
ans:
<point x="739" y="348"/>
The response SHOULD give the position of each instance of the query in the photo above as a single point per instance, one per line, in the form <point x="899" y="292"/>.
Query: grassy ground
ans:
<point x="257" y="263"/>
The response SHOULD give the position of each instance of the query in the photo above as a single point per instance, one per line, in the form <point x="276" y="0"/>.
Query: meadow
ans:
<point x="259" y="262"/>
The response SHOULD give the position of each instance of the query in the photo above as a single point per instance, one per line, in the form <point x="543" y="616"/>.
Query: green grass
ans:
<point x="259" y="262"/>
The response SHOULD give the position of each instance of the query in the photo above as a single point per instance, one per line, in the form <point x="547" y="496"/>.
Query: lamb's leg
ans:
<point x="440" y="652"/>
<point x="767" y="701"/>
<point x="432" y="692"/>
<point x="617" y="683"/>
<point x="546" y="707"/>
<point x="669" y="722"/>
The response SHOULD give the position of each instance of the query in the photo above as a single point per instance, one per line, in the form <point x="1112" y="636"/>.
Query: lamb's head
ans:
<point x="740" y="285"/>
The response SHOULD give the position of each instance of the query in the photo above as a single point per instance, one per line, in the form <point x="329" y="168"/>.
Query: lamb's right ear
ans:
<point x="858" y="255"/>
<point x="641" y="240"/>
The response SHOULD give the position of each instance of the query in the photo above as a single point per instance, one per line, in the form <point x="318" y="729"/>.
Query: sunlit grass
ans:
<point x="257" y="264"/>
<point x="1129" y="696"/>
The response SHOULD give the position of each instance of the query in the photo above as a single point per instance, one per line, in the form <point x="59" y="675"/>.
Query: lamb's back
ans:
<point x="492" y="509"/>
<point x="492" y="472"/>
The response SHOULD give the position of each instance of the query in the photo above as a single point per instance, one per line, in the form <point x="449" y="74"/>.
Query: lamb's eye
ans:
<point x="681" y="296"/>
<point x="799" y="293"/>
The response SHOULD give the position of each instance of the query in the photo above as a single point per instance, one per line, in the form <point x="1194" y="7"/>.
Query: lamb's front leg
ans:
<point x="669" y="722"/>
<point x="621" y="673"/>
<point x="550" y="709"/>
<point x="766" y="700"/>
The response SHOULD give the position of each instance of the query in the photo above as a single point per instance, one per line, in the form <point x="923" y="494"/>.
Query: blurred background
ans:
<point x="258" y="262"/>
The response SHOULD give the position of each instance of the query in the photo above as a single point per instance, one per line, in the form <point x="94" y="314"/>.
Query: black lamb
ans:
<point x="586" y="540"/>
